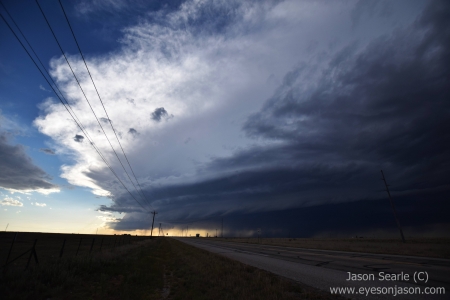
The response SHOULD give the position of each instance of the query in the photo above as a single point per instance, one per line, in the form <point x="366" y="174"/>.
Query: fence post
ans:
<point x="92" y="245"/>
<point x="32" y="252"/>
<point x="78" y="246"/>
<point x="10" y="248"/>
<point x="62" y="248"/>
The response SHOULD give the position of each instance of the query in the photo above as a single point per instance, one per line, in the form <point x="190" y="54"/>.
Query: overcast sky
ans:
<point x="269" y="114"/>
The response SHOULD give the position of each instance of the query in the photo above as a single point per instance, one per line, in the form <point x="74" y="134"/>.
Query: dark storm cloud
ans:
<point x="78" y="138"/>
<point x="47" y="151"/>
<point x="120" y="209"/>
<point x="361" y="218"/>
<point x="387" y="105"/>
<point x="370" y="8"/>
<point x="17" y="169"/>
<point x="134" y="221"/>
<point x="158" y="114"/>
<point x="133" y="132"/>
<point x="332" y="130"/>
<point x="135" y="216"/>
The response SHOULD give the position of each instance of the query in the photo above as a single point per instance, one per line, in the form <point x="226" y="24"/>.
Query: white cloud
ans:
<point x="40" y="204"/>
<point x="43" y="88"/>
<point x="11" y="125"/>
<point x="41" y="191"/>
<point x="11" y="202"/>
<point x="107" y="217"/>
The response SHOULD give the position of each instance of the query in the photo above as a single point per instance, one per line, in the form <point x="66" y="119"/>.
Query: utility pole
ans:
<point x="187" y="230"/>
<point x="6" y="227"/>
<point x="393" y="207"/>
<point x="222" y="228"/>
<point x="154" y="213"/>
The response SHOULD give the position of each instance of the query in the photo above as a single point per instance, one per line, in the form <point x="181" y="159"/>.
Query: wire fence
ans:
<point x="22" y="249"/>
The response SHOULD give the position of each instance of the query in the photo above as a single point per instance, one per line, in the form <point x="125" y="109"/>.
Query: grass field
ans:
<point x="432" y="247"/>
<point x="160" y="268"/>
<point x="49" y="245"/>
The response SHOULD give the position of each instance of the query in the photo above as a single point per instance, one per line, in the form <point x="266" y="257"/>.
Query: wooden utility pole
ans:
<point x="153" y="222"/>
<point x="222" y="227"/>
<point x="393" y="207"/>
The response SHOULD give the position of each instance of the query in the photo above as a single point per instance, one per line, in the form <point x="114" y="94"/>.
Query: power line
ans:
<point x="84" y="94"/>
<point x="43" y="67"/>
<point x="101" y="101"/>
<point x="78" y="124"/>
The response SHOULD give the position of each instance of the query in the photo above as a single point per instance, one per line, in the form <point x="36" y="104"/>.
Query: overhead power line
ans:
<point x="43" y="67"/>
<point x="84" y="94"/>
<point x="51" y="86"/>
<point x="101" y="101"/>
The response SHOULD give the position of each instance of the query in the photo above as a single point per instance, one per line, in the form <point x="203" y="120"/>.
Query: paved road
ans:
<point x="323" y="269"/>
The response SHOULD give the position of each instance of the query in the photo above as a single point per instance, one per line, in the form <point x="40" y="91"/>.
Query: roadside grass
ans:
<point x="160" y="268"/>
<point x="426" y="247"/>
<point x="198" y="274"/>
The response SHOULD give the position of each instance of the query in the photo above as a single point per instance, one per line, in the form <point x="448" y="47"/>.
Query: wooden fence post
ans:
<point x="62" y="248"/>
<point x="10" y="248"/>
<point x="32" y="253"/>
<point x="78" y="246"/>
<point x="92" y="245"/>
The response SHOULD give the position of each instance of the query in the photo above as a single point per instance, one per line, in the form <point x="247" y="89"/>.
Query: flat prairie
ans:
<point x="52" y="246"/>
<point x="425" y="247"/>
<point x="131" y="267"/>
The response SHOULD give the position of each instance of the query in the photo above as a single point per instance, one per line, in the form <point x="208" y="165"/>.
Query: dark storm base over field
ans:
<point x="419" y="215"/>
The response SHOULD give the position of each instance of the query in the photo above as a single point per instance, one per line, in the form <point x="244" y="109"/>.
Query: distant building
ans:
<point x="197" y="235"/>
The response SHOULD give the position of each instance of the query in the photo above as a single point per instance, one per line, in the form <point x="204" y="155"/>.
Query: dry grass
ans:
<point x="119" y="274"/>
<point x="432" y="247"/>
<point x="152" y="269"/>
<point x="49" y="245"/>
<point x="198" y="274"/>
